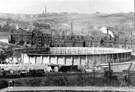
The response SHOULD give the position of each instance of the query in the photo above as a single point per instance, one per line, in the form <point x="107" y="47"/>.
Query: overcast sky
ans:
<point x="81" y="6"/>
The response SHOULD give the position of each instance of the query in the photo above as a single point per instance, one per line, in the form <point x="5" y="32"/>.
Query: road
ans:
<point x="76" y="88"/>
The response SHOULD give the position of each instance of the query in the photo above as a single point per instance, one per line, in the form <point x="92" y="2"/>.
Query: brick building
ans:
<point x="57" y="41"/>
<point x="40" y="39"/>
<point x="78" y="41"/>
<point x="21" y="35"/>
<point x="68" y="42"/>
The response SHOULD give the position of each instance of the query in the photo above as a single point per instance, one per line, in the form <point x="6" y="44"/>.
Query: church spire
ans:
<point x="45" y="9"/>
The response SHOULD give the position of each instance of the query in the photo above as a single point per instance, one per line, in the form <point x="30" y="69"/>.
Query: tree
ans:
<point x="6" y="53"/>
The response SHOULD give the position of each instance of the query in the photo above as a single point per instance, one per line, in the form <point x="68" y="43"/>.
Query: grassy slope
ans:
<point x="81" y="22"/>
<point x="99" y="19"/>
<point x="86" y="22"/>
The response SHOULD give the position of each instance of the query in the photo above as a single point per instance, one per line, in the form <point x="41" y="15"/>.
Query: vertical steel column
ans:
<point x="100" y="58"/>
<point x="23" y="58"/>
<point x="123" y="57"/>
<point x="117" y="57"/>
<point x="65" y="60"/>
<point x="106" y="59"/>
<point x="86" y="60"/>
<point x="112" y="58"/>
<point x="57" y="60"/>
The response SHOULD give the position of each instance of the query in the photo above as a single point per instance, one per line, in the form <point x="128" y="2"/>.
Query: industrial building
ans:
<point x="41" y="39"/>
<point x="78" y="56"/>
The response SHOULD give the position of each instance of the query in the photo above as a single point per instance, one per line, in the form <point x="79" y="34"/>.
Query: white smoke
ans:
<point x="104" y="30"/>
<point x="66" y="25"/>
<point x="111" y="33"/>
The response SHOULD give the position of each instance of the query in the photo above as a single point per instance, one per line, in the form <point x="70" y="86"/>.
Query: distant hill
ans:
<point x="82" y="23"/>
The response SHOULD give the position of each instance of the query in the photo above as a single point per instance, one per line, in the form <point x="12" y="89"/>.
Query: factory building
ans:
<point x="79" y="56"/>
<point x="41" y="39"/>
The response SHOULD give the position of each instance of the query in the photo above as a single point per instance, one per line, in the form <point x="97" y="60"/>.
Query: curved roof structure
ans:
<point x="87" y="50"/>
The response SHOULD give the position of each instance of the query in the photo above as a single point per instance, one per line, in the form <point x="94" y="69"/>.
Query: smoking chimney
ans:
<point x="71" y="28"/>
<point x="106" y="31"/>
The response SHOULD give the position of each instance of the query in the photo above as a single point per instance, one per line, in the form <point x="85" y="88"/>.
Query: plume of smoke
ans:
<point x="106" y="31"/>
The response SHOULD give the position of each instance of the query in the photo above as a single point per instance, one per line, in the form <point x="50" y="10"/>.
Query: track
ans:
<point x="64" y="88"/>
